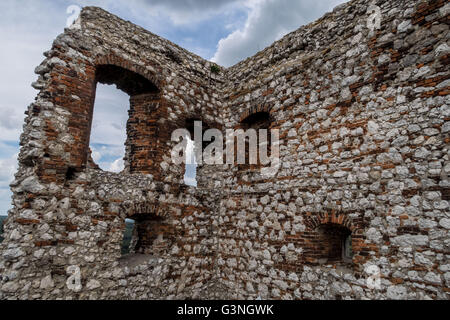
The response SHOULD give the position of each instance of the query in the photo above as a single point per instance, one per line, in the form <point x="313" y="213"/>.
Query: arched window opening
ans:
<point x="127" y="81"/>
<point x="148" y="235"/>
<point x="108" y="130"/>
<point x="111" y="113"/>
<point x="256" y="121"/>
<point x="334" y="243"/>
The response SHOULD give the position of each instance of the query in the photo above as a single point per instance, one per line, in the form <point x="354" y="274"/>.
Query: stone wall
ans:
<point x="67" y="212"/>
<point x="364" y="124"/>
<point x="363" y="117"/>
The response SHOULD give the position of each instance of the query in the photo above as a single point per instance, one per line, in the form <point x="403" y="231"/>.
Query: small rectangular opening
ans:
<point x="2" y="221"/>
<point x="145" y="235"/>
<point x="127" y="235"/>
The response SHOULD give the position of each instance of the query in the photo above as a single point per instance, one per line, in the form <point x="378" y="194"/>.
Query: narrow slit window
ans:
<point x="191" y="164"/>
<point x="190" y="169"/>
<point x="2" y="222"/>
<point x="348" y="251"/>
<point x="127" y="236"/>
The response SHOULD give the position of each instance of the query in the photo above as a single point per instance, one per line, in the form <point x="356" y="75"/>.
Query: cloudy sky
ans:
<point x="224" y="31"/>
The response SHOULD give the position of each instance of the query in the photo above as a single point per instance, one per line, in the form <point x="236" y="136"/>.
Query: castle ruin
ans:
<point x="358" y="210"/>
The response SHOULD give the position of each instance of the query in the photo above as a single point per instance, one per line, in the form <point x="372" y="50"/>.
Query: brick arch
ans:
<point x="136" y="209"/>
<point x="312" y="222"/>
<point x="81" y="109"/>
<point x="186" y="120"/>
<point x="319" y="245"/>
<point x="153" y="232"/>
<point x="264" y="107"/>
<point x="114" y="60"/>
<point x="145" y="90"/>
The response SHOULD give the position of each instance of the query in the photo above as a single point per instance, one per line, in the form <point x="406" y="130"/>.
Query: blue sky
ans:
<point x="223" y="31"/>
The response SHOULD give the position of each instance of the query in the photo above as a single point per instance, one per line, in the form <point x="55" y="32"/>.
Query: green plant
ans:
<point x="215" y="68"/>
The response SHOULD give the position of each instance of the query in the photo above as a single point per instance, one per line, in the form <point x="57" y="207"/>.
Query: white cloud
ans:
<point x="108" y="133"/>
<point x="268" y="21"/>
<point x="108" y="156"/>
<point x="117" y="166"/>
<point x="96" y="156"/>
<point x="184" y="12"/>
<point x="26" y="32"/>
<point x="8" y="167"/>
<point x="110" y="116"/>
<point x="190" y="156"/>
<point x="190" y="181"/>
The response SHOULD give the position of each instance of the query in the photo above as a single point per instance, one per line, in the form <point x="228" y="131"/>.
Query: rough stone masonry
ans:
<point x="358" y="210"/>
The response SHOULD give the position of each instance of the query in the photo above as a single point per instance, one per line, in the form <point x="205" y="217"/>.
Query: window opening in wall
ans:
<point x="127" y="235"/>
<point x="190" y="172"/>
<point x="108" y="131"/>
<point x="256" y="121"/>
<point x="191" y="165"/>
<point x="110" y="113"/>
<point x="334" y="243"/>
<point x="348" y="250"/>
<point x="146" y="234"/>
<point x="2" y="222"/>
<point x="70" y="173"/>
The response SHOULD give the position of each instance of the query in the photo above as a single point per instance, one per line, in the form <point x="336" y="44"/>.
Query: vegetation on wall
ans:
<point x="215" y="69"/>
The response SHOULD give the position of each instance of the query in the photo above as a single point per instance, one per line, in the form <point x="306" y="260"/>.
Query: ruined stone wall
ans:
<point x="67" y="212"/>
<point x="364" y="122"/>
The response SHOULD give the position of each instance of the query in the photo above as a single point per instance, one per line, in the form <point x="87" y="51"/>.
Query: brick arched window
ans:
<point x="332" y="243"/>
<point x="144" y="96"/>
<point x="149" y="235"/>
<point x="145" y="230"/>
<point x="252" y="124"/>
<point x="125" y="80"/>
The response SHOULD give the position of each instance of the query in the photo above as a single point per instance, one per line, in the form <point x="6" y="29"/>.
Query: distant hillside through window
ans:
<point x="2" y="219"/>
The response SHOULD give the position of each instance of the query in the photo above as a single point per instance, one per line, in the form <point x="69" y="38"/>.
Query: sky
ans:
<point x="223" y="31"/>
